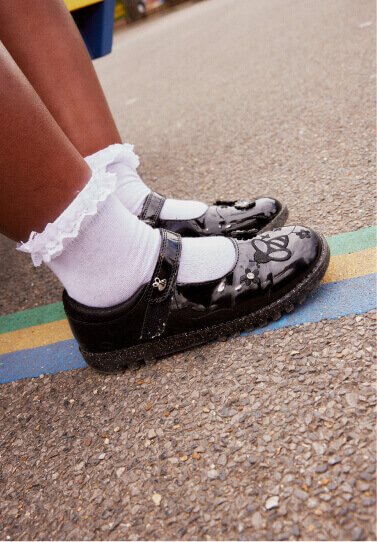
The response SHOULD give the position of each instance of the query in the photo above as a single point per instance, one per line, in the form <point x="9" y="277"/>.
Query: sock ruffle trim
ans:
<point x="119" y="152"/>
<point x="49" y="244"/>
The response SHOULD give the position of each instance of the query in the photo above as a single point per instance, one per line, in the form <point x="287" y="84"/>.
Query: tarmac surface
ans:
<point x="268" y="436"/>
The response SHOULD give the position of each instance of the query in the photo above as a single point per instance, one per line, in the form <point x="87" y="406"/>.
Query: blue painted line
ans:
<point x="331" y="301"/>
<point x="50" y="359"/>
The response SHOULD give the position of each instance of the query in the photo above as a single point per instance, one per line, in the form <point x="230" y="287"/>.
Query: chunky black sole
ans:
<point x="277" y="222"/>
<point x="132" y="357"/>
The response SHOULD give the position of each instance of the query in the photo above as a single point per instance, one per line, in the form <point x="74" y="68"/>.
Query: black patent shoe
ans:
<point x="241" y="219"/>
<point x="273" y="273"/>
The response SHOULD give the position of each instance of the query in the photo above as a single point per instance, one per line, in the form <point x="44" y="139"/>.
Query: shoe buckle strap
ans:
<point x="151" y="210"/>
<point x="162" y="286"/>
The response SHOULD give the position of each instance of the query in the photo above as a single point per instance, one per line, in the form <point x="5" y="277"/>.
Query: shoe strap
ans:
<point x="161" y="288"/>
<point x="151" y="210"/>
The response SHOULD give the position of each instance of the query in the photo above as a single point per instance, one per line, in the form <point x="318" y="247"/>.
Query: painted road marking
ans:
<point x="353" y="241"/>
<point x="32" y="317"/>
<point x="330" y="301"/>
<point x="34" y="336"/>
<point x="349" y="266"/>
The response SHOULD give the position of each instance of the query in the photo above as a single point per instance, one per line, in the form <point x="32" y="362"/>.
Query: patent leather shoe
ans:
<point x="273" y="273"/>
<point x="241" y="219"/>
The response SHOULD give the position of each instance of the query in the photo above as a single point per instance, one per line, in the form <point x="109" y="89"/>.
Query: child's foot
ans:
<point x="273" y="273"/>
<point x="241" y="219"/>
<point x="238" y="219"/>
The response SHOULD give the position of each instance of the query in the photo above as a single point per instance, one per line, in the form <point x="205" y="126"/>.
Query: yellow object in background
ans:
<point x="120" y="12"/>
<point x="77" y="4"/>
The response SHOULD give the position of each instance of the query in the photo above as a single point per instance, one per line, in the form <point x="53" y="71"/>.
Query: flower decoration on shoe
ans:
<point x="275" y="249"/>
<point x="250" y="277"/>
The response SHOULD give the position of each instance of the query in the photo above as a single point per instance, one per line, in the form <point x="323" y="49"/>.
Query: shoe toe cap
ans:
<point x="284" y="256"/>
<point x="303" y="243"/>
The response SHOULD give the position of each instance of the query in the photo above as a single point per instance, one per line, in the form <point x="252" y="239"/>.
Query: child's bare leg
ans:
<point x="46" y="44"/>
<point x="41" y="171"/>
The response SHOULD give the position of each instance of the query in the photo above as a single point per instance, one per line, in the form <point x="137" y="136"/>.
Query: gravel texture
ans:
<point x="253" y="438"/>
<point x="261" y="437"/>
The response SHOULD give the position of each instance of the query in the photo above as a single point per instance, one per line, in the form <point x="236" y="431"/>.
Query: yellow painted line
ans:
<point x="349" y="266"/>
<point x="32" y="337"/>
<point x="342" y="267"/>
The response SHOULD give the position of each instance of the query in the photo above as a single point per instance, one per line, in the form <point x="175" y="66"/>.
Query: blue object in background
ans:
<point x="96" y="23"/>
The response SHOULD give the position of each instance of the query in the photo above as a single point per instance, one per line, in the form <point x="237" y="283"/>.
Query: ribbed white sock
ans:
<point x="102" y="253"/>
<point x="131" y="189"/>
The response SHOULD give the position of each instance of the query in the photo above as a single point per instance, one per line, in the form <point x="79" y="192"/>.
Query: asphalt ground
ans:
<point x="265" y="436"/>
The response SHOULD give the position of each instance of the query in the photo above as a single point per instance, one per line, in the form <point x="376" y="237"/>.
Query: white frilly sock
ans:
<point x="102" y="253"/>
<point x="132" y="191"/>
